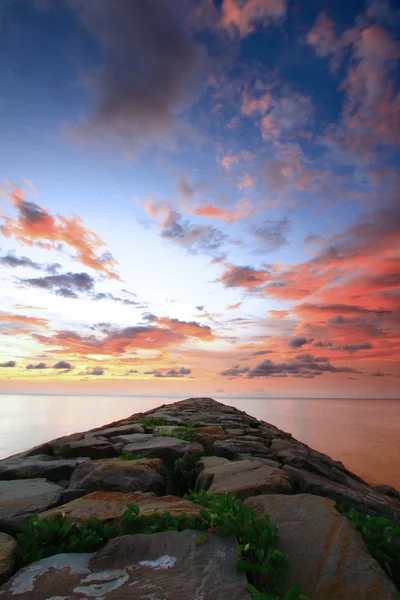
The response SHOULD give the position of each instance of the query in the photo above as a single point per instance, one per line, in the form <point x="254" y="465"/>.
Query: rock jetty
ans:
<point x="150" y="460"/>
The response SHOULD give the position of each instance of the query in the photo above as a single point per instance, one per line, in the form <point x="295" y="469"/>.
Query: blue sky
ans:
<point x="214" y="154"/>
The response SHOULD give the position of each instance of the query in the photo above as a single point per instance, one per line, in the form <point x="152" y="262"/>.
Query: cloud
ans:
<point x="10" y="260"/>
<point x="94" y="371"/>
<point x="356" y="347"/>
<point x="234" y="371"/>
<point x="210" y="211"/>
<point x="34" y="225"/>
<point x="240" y="18"/>
<point x="169" y="373"/>
<point x="298" y="342"/>
<point x="161" y="333"/>
<point x="147" y="69"/>
<point x="195" y="238"/>
<point x="233" y="306"/>
<point x="272" y="234"/>
<point x="261" y="352"/>
<point x="63" y="364"/>
<point x="40" y="366"/>
<point x="131" y="372"/>
<point x="8" y="364"/>
<point x="200" y="308"/>
<point x="76" y="285"/>
<point x="11" y="324"/>
<point x="246" y="277"/>
<point x="304" y="365"/>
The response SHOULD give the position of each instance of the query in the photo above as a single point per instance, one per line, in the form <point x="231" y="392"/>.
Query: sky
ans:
<point x="200" y="197"/>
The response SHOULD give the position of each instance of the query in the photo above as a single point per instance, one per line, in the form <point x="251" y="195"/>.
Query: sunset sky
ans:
<point x="200" y="197"/>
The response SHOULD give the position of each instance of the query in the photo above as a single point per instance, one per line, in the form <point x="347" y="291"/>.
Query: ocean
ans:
<point x="362" y="433"/>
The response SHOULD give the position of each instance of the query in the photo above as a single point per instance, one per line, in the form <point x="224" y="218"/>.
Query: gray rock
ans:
<point x="40" y="465"/>
<point x="115" y="475"/>
<point x="166" y="448"/>
<point x="8" y="555"/>
<point x="208" y="462"/>
<point x="137" y="567"/>
<point x="234" y="448"/>
<point x="20" y="499"/>
<point x="266" y="461"/>
<point x="328" y="558"/>
<point x="90" y="447"/>
<point x="121" y="430"/>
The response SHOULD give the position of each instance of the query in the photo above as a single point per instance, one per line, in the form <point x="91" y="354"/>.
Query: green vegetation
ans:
<point x="131" y="456"/>
<point x="40" y="538"/>
<point x="155" y="422"/>
<point x="264" y="565"/>
<point x="382" y="538"/>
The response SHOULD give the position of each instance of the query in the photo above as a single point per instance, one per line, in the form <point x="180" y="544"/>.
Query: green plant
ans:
<point x="155" y="422"/>
<point x="193" y="424"/>
<point x="382" y="538"/>
<point x="186" y="434"/>
<point x="131" y="456"/>
<point x="39" y="538"/>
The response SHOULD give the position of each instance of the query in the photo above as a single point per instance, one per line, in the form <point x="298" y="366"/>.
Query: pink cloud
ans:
<point x="243" y="17"/>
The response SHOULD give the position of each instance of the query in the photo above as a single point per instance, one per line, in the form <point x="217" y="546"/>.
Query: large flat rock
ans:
<point x="328" y="558"/>
<point x="20" y="499"/>
<point x="115" y="475"/>
<point x="244" y="478"/>
<point x="110" y="506"/>
<point x="234" y="448"/>
<point x="42" y="466"/>
<point x="168" y="565"/>
<point x="166" y="448"/>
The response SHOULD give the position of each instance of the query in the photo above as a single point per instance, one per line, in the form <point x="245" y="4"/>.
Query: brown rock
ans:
<point x="110" y="506"/>
<point x="244" y="478"/>
<point x="328" y="558"/>
<point x="116" y="475"/>
<point x="8" y="555"/>
<point x="234" y="448"/>
<point x="167" y="448"/>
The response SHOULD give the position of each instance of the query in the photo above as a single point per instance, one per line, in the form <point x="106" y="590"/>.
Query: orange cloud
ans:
<point x="229" y="160"/>
<point x="210" y="211"/>
<point x="35" y="226"/>
<point x="242" y="18"/>
<point x="24" y="319"/>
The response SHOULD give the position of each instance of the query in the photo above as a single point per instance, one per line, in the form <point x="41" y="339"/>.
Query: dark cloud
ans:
<point x="321" y="344"/>
<point x="298" y="342"/>
<point x="94" y="371"/>
<point x="9" y="363"/>
<point x="261" y="352"/>
<point x="304" y="365"/>
<point x="338" y="320"/>
<point x="272" y="234"/>
<point x="131" y="372"/>
<point x="148" y="64"/>
<point x="171" y="373"/>
<point x="10" y="260"/>
<point x="63" y="364"/>
<point x="355" y="347"/>
<point x="68" y="285"/>
<point x="234" y="371"/>
<point x="379" y="374"/>
<point x="200" y="308"/>
<point x="74" y="285"/>
<point x="40" y="365"/>
<point x="195" y="238"/>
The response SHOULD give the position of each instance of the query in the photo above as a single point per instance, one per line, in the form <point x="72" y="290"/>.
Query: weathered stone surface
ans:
<point x="366" y="495"/>
<point x="210" y="434"/>
<point x="278" y="445"/>
<point x="40" y="465"/>
<point x="90" y="447"/>
<point x="122" y="430"/>
<point x="22" y="498"/>
<point x="234" y="448"/>
<point x="167" y="448"/>
<point x="212" y="461"/>
<point x="8" y="555"/>
<point x="110" y="506"/>
<point x="119" y="476"/>
<point x="137" y="567"/>
<point x="244" y="478"/>
<point x="266" y="461"/>
<point x="328" y="558"/>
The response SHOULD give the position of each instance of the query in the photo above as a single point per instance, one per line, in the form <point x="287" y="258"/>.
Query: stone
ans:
<point x="40" y="465"/>
<point x="235" y="432"/>
<point x="328" y="558"/>
<point x="121" y="430"/>
<point x="234" y="448"/>
<point x="8" y="556"/>
<point x="90" y="447"/>
<point x="116" y="475"/>
<point x="164" y="565"/>
<point x="208" y="435"/>
<point x="167" y="448"/>
<point x="110" y="506"/>
<point x="266" y="461"/>
<point x="278" y="445"/>
<point x="365" y="496"/>
<point x="244" y="478"/>
<point x="212" y="461"/>
<point x="20" y="499"/>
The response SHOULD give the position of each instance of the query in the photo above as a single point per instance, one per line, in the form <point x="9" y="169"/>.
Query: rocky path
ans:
<point x="151" y="459"/>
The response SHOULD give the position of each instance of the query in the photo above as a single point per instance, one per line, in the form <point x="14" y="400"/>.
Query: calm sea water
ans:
<point x="363" y="433"/>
